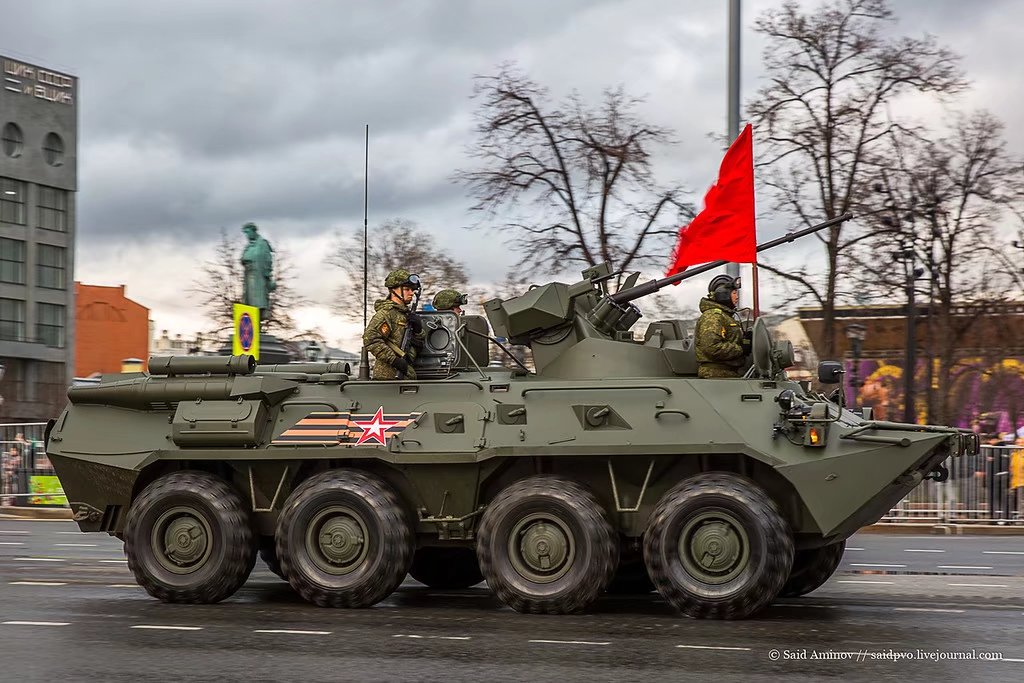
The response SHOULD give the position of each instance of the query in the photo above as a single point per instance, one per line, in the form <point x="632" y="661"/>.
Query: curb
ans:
<point x="15" y="512"/>
<point x="944" y="529"/>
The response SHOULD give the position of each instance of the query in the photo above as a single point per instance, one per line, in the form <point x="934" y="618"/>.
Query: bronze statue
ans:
<point x="258" y="262"/>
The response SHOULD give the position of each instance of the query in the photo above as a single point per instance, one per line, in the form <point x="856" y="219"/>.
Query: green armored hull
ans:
<point x="610" y="467"/>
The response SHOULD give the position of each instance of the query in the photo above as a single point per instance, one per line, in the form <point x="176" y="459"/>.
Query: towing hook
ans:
<point x="939" y="473"/>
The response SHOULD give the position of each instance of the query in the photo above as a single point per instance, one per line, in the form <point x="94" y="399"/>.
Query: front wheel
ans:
<point x="812" y="568"/>
<point x="189" y="538"/>
<point x="717" y="547"/>
<point x="343" y="539"/>
<point x="545" y="546"/>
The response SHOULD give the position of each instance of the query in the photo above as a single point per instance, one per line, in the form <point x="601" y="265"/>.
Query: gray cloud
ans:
<point x="198" y="115"/>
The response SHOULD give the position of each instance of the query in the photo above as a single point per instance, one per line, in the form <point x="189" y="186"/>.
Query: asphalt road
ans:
<point x="69" y="610"/>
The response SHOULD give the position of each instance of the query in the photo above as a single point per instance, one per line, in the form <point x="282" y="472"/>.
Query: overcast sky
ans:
<point x="198" y="115"/>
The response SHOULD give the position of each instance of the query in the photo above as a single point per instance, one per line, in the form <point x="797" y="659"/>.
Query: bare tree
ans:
<point x="822" y="119"/>
<point x="396" y="243"/>
<point x="220" y="287"/>
<point x="938" y="204"/>
<point x="576" y="182"/>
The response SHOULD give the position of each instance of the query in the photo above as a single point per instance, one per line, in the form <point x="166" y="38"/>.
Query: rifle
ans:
<point x="407" y="337"/>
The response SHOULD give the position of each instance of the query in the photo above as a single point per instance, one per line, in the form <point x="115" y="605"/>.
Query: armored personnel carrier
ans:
<point x="610" y="465"/>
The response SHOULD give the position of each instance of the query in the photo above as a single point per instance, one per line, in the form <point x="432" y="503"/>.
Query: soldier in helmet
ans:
<point x="450" y="300"/>
<point x="386" y="329"/>
<point x="719" y="339"/>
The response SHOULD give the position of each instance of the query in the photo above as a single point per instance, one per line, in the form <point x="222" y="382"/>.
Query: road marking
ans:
<point x="114" y="561"/>
<point x="14" y="533"/>
<point x="849" y="548"/>
<point x="403" y="635"/>
<point x="978" y="585"/>
<point x="960" y="566"/>
<point x="293" y="631"/>
<point x="927" y="609"/>
<point x="74" y="545"/>
<point x="37" y="583"/>
<point x="168" y="628"/>
<point x="1007" y="659"/>
<point x="714" y="647"/>
<point x="37" y="623"/>
<point x="805" y="605"/>
<point x="38" y="559"/>
<point x="11" y="543"/>
<point x="893" y="566"/>
<point x="1002" y="552"/>
<point x="887" y="583"/>
<point x="71" y="533"/>
<point x="569" y="642"/>
<point x="123" y="585"/>
<point x="921" y="550"/>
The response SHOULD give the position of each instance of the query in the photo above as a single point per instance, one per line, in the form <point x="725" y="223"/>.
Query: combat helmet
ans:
<point x="401" y="276"/>
<point x="447" y="299"/>
<point x="721" y="288"/>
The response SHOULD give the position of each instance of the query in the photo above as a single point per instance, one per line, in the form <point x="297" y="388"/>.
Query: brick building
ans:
<point x="111" y="328"/>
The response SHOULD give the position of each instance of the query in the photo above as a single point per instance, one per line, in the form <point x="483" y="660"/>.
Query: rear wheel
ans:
<point x="343" y="539"/>
<point x="812" y="568"/>
<point x="189" y="538"/>
<point x="446" y="567"/>
<point x="717" y="547"/>
<point x="545" y="546"/>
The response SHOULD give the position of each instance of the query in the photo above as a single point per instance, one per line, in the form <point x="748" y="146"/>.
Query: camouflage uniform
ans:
<point x="386" y="330"/>
<point x="447" y="299"/>
<point x="383" y="338"/>
<point x="719" y="342"/>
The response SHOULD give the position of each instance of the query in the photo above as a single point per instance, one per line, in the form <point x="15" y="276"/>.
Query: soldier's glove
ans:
<point x="748" y="342"/>
<point x="401" y="364"/>
<point x="415" y="323"/>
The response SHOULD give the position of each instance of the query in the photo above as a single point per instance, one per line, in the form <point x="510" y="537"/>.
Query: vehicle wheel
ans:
<point x="446" y="567"/>
<point x="268" y="553"/>
<point x="189" y="538"/>
<point x="717" y="547"/>
<point x="545" y="546"/>
<point x="631" y="577"/>
<point x="812" y="568"/>
<point x="343" y="539"/>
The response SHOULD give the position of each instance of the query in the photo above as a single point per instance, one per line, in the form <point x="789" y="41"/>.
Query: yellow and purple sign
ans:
<point x="246" y="338"/>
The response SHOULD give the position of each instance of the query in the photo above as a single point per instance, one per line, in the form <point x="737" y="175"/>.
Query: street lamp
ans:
<point x="855" y="332"/>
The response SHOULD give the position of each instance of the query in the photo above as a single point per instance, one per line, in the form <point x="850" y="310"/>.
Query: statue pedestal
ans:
<point x="272" y="350"/>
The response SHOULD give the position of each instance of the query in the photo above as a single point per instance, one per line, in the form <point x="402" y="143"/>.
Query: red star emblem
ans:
<point x="375" y="429"/>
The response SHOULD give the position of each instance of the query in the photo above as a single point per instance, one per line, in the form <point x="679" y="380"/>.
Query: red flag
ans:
<point x="724" y="230"/>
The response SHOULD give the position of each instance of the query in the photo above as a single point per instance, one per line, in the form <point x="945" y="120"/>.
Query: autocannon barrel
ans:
<point x="652" y="286"/>
<point x="202" y="365"/>
<point x="143" y="392"/>
<point x="309" y="368"/>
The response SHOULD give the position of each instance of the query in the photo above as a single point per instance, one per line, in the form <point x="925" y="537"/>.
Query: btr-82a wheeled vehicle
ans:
<point x="609" y="465"/>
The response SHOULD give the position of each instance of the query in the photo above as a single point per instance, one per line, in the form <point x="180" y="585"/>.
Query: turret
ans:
<point x="554" y="317"/>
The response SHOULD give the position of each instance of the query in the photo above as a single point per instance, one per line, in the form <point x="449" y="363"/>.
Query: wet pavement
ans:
<point x="69" y="609"/>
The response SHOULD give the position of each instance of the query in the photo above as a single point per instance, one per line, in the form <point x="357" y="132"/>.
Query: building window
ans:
<point x="53" y="208"/>
<point x="12" y="320"/>
<point x="12" y="139"/>
<point x="50" y="267"/>
<point x="50" y="326"/>
<point x="12" y="201"/>
<point x="12" y="261"/>
<point x="53" y="149"/>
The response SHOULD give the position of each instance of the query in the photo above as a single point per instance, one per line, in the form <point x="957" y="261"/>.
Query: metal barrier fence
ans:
<point x="26" y="475"/>
<point x="987" y="488"/>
